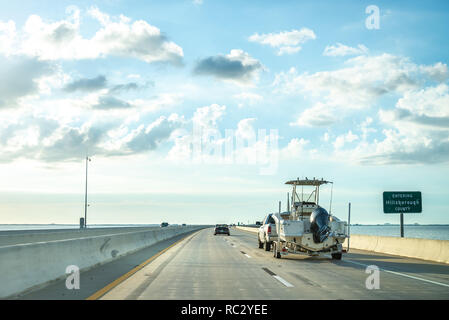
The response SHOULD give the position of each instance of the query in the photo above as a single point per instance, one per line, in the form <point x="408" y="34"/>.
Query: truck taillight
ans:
<point x="269" y="229"/>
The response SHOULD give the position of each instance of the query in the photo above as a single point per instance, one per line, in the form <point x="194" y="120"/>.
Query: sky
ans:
<point x="199" y="111"/>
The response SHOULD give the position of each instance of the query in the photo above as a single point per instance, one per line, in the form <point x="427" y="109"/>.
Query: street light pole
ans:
<point x="85" y="196"/>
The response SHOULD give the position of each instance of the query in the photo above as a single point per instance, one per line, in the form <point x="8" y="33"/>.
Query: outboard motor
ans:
<point x="319" y="220"/>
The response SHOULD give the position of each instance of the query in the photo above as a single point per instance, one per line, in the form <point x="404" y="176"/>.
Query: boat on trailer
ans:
<point x="307" y="227"/>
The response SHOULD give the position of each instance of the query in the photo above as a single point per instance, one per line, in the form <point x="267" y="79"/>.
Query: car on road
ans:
<point x="267" y="233"/>
<point x="164" y="224"/>
<point x="221" y="229"/>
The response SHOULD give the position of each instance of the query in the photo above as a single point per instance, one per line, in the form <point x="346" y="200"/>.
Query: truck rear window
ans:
<point x="270" y="220"/>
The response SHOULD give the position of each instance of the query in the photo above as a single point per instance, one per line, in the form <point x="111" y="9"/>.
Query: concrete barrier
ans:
<point x="32" y="236"/>
<point x="24" y="267"/>
<point x="250" y="229"/>
<point x="425" y="249"/>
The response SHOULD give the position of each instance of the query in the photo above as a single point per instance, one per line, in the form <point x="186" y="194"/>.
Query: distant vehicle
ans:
<point x="221" y="229"/>
<point x="267" y="232"/>
<point x="183" y="224"/>
<point x="164" y="224"/>
<point x="258" y="223"/>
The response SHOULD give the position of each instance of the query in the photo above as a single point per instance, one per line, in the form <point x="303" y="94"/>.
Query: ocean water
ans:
<point x="436" y="232"/>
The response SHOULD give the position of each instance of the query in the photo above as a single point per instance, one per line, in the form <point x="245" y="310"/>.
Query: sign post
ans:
<point x="402" y="202"/>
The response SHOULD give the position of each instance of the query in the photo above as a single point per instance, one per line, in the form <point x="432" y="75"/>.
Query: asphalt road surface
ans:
<point x="204" y="266"/>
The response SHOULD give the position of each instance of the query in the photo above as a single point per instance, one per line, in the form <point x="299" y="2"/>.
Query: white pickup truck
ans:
<point x="267" y="233"/>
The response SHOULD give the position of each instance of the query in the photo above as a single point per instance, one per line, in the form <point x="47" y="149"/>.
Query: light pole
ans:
<point x="85" y="196"/>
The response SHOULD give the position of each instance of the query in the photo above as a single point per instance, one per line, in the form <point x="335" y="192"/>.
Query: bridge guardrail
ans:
<point x="24" y="267"/>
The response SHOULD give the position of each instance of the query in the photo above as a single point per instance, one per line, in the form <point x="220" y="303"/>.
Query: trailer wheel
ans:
<point x="267" y="246"/>
<point x="276" y="253"/>
<point x="260" y="244"/>
<point x="336" y="256"/>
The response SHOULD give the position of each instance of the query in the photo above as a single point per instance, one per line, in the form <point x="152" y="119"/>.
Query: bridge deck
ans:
<point x="204" y="266"/>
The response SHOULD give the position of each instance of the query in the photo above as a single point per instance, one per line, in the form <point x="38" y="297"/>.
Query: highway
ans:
<point x="204" y="266"/>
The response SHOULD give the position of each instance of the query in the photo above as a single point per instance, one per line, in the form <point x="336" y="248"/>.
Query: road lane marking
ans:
<point x="271" y="273"/>
<point x="116" y="282"/>
<point x="400" y="274"/>
<point x="247" y="255"/>
<point x="284" y="282"/>
<point x="278" y="278"/>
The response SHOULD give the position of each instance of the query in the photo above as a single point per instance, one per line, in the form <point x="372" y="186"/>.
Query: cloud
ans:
<point x="19" y="78"/>
<point x="87" y="85"/>
<point x="319" y="115"/>
<point x="204" y="125"/>
<point x="109" y="102"/>
<point x="341" y="140"/>
<point x="430" y="101"/>
<point x="341" y="50"/>
<point x="295" y="149"/>
<point x="48" y="140"/>
<point x="7" y="37"/>
<point x="145" y="139"/>
<point x="237" y="66"/>
<point x="124" y="87"/>
<point x="438" y="72"/>
<point x="358" y="86"/>
<point x="287" y="41"/>
<point x="62" y="40"/>
<point x="100" y="82"/>
<point x="208" y="116"/>
<point x="130" y="86"/>
<point x="416" y="131"/>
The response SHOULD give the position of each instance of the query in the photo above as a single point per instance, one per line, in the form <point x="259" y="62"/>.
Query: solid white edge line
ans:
<point x="284" y="282"/>
<point x="248" y="256"/>
<point x="401" y="274"/>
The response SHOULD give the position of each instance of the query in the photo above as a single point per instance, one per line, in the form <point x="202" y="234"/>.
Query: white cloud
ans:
<point x="416" y="131"/>
<point x="318" y="115"/>
<point x="7" y="36"/>
<point x="287" y="41"/>
<point x="341" y="140"/>
<point x="204" y="126"/>
<point x="439" y="71"/>
<point x="430" y="101"/>
<point x="296" y="149"/>
<point x="208" y="116"/>
<point x="356" y="87"/>
<point x="62" y="40"/>
<point x="342" y="50"/>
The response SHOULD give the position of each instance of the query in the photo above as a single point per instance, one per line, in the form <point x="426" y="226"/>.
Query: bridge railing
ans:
<point x="25" y="267"/>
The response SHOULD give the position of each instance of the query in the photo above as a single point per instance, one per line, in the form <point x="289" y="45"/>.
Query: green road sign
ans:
<point x="402" y="202"/>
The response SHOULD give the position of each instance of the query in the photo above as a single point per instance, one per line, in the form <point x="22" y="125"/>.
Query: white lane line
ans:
<point x="248" y="256"/>
<point x="284" y="282"/>
<point x="401" y="274"/>
<point x="278" y="278"/>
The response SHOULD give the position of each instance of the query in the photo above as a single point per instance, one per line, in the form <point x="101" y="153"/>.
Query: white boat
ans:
<point x="308" y="227"/>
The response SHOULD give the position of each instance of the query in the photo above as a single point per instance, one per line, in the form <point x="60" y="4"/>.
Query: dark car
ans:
<point x="164" y="224"/>
<point x="221" y="229"/>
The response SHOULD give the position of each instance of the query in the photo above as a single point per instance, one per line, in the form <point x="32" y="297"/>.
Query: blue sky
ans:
<point x="132" y="82"/>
